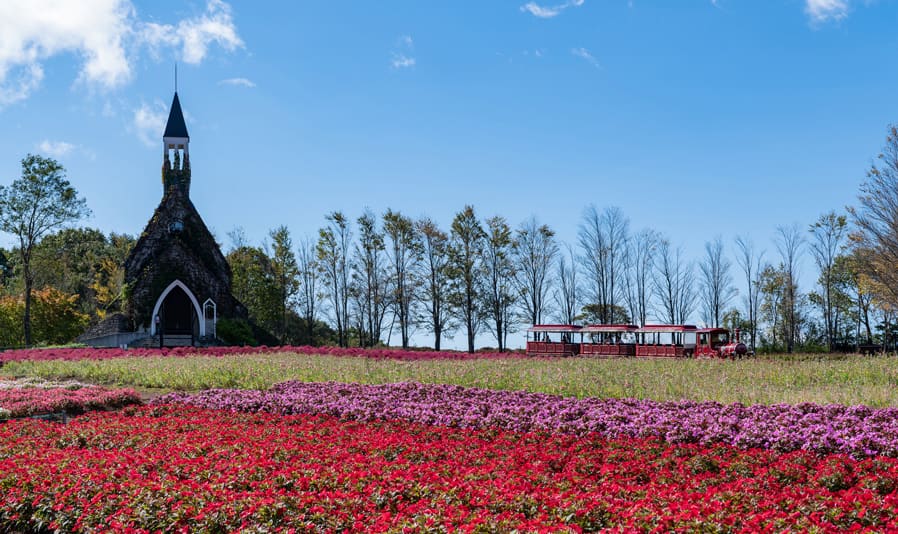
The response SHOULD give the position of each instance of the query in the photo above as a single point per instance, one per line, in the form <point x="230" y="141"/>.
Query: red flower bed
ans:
<point x="21" y="402"/>
<point x="175" y="468"/>
<point x="379" y="354"/>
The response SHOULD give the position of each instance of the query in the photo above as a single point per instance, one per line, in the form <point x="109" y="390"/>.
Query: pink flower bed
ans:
<point x="27" y="401"/>
<point x="377" y="354"/>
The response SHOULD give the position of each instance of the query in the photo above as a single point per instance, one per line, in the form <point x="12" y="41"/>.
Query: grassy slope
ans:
<point x="870" y="381"/>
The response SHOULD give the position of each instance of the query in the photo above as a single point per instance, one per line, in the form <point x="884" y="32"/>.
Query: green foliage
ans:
<point x="32" y="206"/>
<point x="254" y="283"/>
<point x="56" y="318"/>
<point x="593" y="313"/>
<point x="299" y="332"/>
<point x="286" y="275"/>
<point x="235" y="332"/>
<point x="85" y="262"/>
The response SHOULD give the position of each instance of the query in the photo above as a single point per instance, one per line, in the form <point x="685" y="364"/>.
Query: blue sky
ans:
<point x="698" y="118"/>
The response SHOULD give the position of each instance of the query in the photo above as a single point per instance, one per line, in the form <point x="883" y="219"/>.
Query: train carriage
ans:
<point x="666" y="340"/>
<point x="606" y="340"/>
<point x="553" y="340"/>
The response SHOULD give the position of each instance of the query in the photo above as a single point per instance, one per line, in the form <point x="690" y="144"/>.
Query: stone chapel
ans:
<point x="178" y="282"/>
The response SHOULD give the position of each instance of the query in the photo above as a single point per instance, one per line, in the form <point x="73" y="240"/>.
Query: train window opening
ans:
<point x="720" y="338"/>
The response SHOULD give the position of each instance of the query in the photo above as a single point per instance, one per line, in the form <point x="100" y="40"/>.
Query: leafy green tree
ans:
<point x="286" y="275"/>
<point x="465" y="256"/>
<point x="254" y="283"/>
<point x="5" y="269"/>
<point x="772" y="288"/>
<point x="85" y="262"/>
<point x="39" y="202"/>
<point x="593" y="313"/>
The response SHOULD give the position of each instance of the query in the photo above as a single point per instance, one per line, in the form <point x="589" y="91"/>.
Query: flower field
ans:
<point x="177" y="468"/>
<point x="85" y="353"/>
<point x="24" y="398"/>
<point x="857" y="431"/>
<point x="311" y="455"/>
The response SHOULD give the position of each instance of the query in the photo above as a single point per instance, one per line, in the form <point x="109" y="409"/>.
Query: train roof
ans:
<point x="554" y="328"/>
<point x="708" y="330"/>
<point x="610" y="328"/>
<point x="669" y="328"/>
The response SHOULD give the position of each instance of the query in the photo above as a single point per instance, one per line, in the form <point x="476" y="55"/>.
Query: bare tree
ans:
<point x="828" y="240"/>
<point x="370" y="280"/>
<point x="535" y="251"/>
<point x="465" y="253"/>
<point x="876" y="219"/>
<point x="603" y="240"/>
<point x="435" y="276"/>
<point x="567" y="291"/>
<point x="404" y="252"/>
<point x="308" y="287"/>
<point x="716" y="282"/>
<point x="498" y="275"/>
<point x="751" y="263"/>
<point x="789" y="243"/>
<point x="332" y="250"/>
<point x="640" y="257"/>
<point x="674" y="281"/>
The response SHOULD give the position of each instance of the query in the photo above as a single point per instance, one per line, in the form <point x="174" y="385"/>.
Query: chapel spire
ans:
<point x="176" y="154"/>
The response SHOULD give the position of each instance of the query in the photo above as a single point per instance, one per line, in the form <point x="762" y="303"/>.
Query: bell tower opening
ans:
<point x="176" y="151"/>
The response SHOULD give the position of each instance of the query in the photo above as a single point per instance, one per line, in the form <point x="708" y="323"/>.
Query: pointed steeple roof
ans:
<point x="176" y="126"/>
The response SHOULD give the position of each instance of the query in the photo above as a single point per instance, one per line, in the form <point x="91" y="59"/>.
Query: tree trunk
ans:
<point x="29" y="282"/>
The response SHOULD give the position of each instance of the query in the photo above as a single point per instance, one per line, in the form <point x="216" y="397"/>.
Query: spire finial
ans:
<point x="176" y="76"/>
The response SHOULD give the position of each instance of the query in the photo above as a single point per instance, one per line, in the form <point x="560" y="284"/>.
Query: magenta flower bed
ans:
<point x="27" y="401"/>
<point x="856" y="430"/>
<point x="378" y="354"/>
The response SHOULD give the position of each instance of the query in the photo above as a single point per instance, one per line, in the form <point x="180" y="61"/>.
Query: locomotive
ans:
<point x="621" y="340"/>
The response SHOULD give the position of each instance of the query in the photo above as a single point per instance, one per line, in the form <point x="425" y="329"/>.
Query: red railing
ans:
<point x="550" y="348"/>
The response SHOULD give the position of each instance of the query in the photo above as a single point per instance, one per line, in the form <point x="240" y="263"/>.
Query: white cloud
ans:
<point x="33" y="30"/>
<point x="402" y="58"/>
<point x="194" y="35"/>
<point x="401" y="61"/>
<point x="56" y="149"/>
<point x="238" y="82"/>
<point x="587" y="55"/>
<point x="149" y="122"/>
<point x="821" y="11"/>
<point x="547" y="12"/>
<point x="105" y="35"/>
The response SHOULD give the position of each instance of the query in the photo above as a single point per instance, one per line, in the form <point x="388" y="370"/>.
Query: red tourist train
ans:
<point x="618" y="340"/>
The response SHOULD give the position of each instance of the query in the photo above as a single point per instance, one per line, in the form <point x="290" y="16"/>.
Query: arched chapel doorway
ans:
<point x="177" y="313"/>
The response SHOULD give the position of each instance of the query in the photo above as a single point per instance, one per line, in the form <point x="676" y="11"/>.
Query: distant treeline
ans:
<point x="382" y="278"/>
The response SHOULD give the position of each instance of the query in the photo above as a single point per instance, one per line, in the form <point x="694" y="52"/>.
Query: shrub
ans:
<point x="235" y="332"/>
